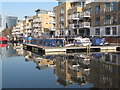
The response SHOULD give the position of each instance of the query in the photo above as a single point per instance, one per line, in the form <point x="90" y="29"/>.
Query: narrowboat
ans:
<point x="3" y="41"/>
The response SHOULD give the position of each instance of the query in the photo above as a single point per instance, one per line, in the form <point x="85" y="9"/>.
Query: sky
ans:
<point x="21" y="9"/>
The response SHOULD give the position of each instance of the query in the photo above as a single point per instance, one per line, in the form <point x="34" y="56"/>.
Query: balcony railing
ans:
<point x="52" y="29"/>
<point x="74" y="17"/>
<point x="62" y="11"/>
<point x="84" y="14"/>
<point x="73" y="26"/>
<point x="37" y="20"/>
<point x="62" y="19"/>
<point x="84" y="25"/>
<point x="75" y="6"/>
<point x="52" y="15"/>
<point x="52" y="22"/>
<point x="108" y="9"/>
<point x="36" y="25"/>
<point x="81" y="25"/>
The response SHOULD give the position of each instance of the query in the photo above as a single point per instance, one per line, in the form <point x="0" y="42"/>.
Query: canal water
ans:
<point x="24" y="69"/>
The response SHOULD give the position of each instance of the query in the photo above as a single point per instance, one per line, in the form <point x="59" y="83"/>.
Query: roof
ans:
<point x="3" y="38"/>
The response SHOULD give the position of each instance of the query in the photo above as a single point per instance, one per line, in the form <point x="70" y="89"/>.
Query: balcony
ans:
<point x="37" y="20"/>
<point x="74" y="6"/>
<point x="73" y="17"/>
<point x="29" y="31"/>
<point x="84" y="14"/>
<point x="74" y="0"/>
<point x="28" y="27"/>
<point x="52" y="22"/>
<point x="73" y="26"/>
<point x="52" y="15"/>
<point x="108" y="9"/>
<point x="52" y="29"/>
<point x="62" y="11"/>
<point x="36" y="25"/>
<point x="84" y="25"/>
<point x="81" y="25"/>
<point x="62" y="19"/>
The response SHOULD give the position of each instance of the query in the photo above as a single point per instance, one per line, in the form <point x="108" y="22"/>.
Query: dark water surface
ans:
<point x="24" y="69"/>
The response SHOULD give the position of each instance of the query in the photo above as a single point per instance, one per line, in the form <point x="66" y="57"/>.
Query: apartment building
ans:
<point x="9" y="21"/>
<point x="43" y="24"/>
<point x="105" y="20"/>
<point x="27" y="26"/>
<point x="17" y="31"/>
<point x="70" y="19"/>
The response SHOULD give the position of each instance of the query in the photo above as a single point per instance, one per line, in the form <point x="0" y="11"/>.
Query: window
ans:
<point x="107" y="19"/>
<point x="114" y="6"/>
<point x="114" y="30"/>
<point x="97" y="31"/>
<point x="61" y="25"/>
<point x="107" y="7"/>
<point x="97" y="10"/>
<point x="61" y="32"/>
<point x="107" y="31"/>
<point x="97" y="21"/>
<point x="114" y="20"/>
<point x="62" y="10"/>
<point x="61" y="18"/>
<point x="114" y="58"/>
<point x="89" y="10"/>
<point x="82" y="4"/>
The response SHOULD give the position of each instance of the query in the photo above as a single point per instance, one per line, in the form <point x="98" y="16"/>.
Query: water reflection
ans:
<point x="105" y="70"/>
<point x="98" y="70"/>
<point x="7" y="51"/>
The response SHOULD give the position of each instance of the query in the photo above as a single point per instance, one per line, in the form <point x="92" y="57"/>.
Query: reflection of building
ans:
<point x="18" y="48"/>
<point x="43" y="63"/>
<point x="105" y="70"/>
<point x="70" y="70"/>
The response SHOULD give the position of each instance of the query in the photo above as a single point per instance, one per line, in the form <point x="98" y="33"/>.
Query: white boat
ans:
<point x="80" y="41"/>
<point x="83" y="41"/>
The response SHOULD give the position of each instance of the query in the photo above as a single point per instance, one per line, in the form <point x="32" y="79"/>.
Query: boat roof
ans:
<point x="3" y="38"/>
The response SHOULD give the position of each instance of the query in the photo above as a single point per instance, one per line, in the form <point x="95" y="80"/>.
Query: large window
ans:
<point x="97" y="10"/>
<point x="97" y="21"/>
<point x="62" y="10"/>
<point x="107" y="31"/>
<point x="114" y="30"/>
<point x="114" y="20"/>
<point x="107" y="7"/>
<point x="97" y="31"/>
<point x="61" y="18"/>
<point x="107" y="19"/>
<point x="114" y="6"/>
